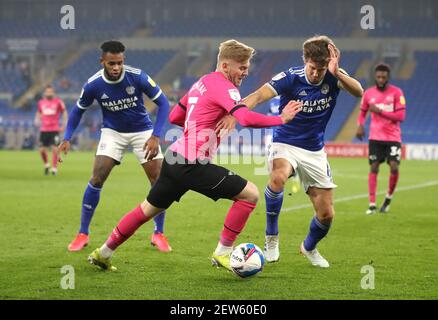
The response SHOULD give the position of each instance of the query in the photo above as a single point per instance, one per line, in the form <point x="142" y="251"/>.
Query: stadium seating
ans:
<point x="421" y="96"/>
<point x="246" y="27"/>
<point x="85" y="29"/>
<point x="12" y="79"/>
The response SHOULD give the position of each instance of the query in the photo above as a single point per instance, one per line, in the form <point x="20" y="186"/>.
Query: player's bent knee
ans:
<point x="325" y="214"/>
<point x="97" y="182"/>
<point x="250" y="193"/>
<point x="150" y="210"/>
<point x="278" y="180"/>
<point x="393" y="167"/>
<point x="374" y="170"/>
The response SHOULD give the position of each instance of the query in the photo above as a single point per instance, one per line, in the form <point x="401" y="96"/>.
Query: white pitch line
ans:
<point x="361" y="196"/>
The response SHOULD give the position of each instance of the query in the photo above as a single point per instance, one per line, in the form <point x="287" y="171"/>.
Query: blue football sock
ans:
<point x="159" y="222"/>
<point x="274" y="200"/>
<point x="89" y="204"/>
<point x="317" y="231"/>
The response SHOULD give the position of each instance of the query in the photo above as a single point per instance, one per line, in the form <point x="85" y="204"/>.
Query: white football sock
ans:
<point x="105" y="252"/>
<point x="221" y="249"/>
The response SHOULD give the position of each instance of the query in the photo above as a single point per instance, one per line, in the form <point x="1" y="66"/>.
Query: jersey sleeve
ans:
<point x="39" y="107"/>
<point x="183" y="102"/>
<point x="178" y="113"/>
<point x="149" y="87"/>
<point x="86" y="98"/>
<point x="364" y="103"/>
<point x="400" y="101"/>
<point x="61" y="106"/>
<point x="339" y="83"/>
<point x="230" y="99"/>
<point x="279" y="83"/>
<point x="363" y="110"/>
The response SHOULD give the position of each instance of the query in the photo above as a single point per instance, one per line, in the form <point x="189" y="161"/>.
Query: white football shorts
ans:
<point x="311" y="166"/>
<point x="113" y="144"/>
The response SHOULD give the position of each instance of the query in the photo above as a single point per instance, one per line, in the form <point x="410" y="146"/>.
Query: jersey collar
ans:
<point x="113" y="82"/>
<point x="307" y="80"/>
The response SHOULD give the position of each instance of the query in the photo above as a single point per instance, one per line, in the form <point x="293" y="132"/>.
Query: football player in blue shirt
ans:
<point x="119" y="90"/>
<point x="297" y="146"/>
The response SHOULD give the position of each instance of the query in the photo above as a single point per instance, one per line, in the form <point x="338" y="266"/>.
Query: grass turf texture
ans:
<point x="40" y="216"/>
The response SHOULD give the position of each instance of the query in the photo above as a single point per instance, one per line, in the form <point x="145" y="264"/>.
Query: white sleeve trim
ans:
<point x="80" y="107"/>
<point x="272" y="88"/>
<point x="157" y="95"/>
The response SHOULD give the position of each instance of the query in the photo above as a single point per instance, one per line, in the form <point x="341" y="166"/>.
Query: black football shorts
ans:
<point x="379" y="151"/>
<point x="49" y="138"/>
<point x="178" y="176"/>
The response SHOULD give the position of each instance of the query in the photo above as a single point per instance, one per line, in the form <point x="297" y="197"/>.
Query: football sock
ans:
<point x="235" y="221"/>
<point x="89" y="204"/>
<point x="317" y="231"/>
<point x="43" y="154"/>
<point x="159" y="222"/>
<point x="221" y="249"/>
<point x="274" y="201"/>
<point x="372" y="186"/>
<point x="105" y="252"/>
<point x="393" y="179"/>
<point x="126" y="227"/>
<point x="54" y="159"/>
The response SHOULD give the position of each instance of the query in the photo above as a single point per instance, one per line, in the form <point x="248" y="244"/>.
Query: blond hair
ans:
<point x="316" y="49"/>
<point x="235" y="50"/>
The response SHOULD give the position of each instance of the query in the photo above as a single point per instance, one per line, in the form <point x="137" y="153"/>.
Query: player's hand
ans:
<point x="374" y="108"/>
<point x="225" y="126"/>
<point x="335" y="55"/>
<point x="290" y="110"/>
<point x="360" y="133"/>
<point x="151" y="147"/>
<point x="64" y="147"/>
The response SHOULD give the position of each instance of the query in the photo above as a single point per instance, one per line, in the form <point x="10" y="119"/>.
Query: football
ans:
<point x="247" y="260"/>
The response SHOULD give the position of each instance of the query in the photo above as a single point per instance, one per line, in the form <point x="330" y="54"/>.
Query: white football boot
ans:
<point x="314" y="257"/>
<point x="371" y="210"/>
<point x="271" y="250"/>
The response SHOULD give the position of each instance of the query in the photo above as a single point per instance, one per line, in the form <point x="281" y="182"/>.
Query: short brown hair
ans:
<point x="316" y="49"/>
<point x="235" y="50"/>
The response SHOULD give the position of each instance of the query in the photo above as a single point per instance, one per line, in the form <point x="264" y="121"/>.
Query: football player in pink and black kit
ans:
<point x="187" y="164"/>
<point x="50" y="109"/>
<point x="387" y="105"/>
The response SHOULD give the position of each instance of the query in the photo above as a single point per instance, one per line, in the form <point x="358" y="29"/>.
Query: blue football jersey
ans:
<point x="121" y="101"/>
<point x="274" y="106"/>
<point x="307" y="129"/>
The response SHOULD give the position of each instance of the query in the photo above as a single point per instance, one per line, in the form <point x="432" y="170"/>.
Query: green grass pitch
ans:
<point x="40" y="215"/>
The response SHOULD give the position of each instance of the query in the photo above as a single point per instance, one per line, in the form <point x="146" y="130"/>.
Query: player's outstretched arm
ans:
<point x="261" y="95"/>
<point x="152" y="145"/>
<point x="72" y="124"/>
<point x="364" y="107"/>
<point x="227" y="123"/>
<point x="64" y="147"/>
<point x="252" y="119"/>
<point x="37" y="119"/>
<point x="64" y="120"/>
<point x="162" y="114"/>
